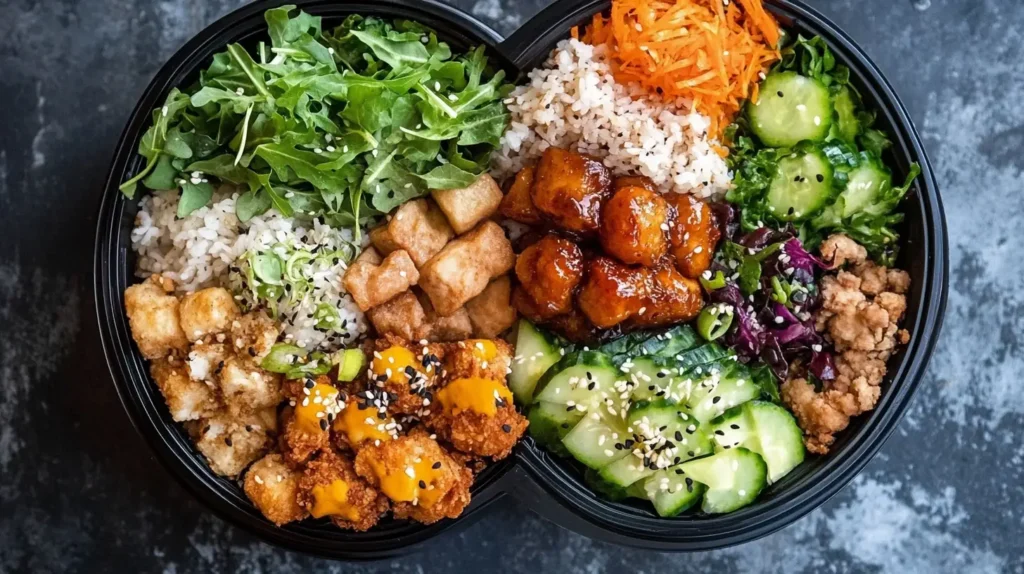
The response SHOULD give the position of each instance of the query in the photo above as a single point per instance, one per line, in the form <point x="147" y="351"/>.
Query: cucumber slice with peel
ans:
<point x="549" y="423"/>
<point x="801" y="186"/>
<point x="535" y="353"/>
<point x="734" y="478"/>
<point x="764" y="428"/>
<point x="578" y="379"/>
<point x="791" y="108"/>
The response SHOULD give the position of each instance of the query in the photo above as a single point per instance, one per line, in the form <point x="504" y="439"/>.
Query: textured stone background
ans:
<point x="80" y="492"/>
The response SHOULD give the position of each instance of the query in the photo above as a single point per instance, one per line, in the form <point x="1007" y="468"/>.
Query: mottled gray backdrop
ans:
<point x="79" y="490"/>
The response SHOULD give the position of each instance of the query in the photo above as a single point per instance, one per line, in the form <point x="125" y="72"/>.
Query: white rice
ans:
<point x="199" y="250"/>
<point x="574" y="102"/>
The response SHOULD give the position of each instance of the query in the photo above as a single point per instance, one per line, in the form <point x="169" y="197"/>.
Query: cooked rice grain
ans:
<point x="574" y="102"/>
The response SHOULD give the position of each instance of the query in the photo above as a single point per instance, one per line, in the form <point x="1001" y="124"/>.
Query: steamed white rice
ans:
<point x="198" y="251"/>
<point x="574" y="102"/>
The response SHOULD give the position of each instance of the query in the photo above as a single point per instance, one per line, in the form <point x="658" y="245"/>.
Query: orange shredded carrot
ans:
<point x="711" y="52"/>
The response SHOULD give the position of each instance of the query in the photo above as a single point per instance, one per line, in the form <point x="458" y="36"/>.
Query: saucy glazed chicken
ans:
<point x="569" y="189"/>
<point x="638" y="270"/>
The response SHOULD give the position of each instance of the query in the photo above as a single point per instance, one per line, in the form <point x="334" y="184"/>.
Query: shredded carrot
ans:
<point x="711" y="52"/>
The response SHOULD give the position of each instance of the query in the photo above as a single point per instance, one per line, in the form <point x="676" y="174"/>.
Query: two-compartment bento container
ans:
<point x="551" y="487"/>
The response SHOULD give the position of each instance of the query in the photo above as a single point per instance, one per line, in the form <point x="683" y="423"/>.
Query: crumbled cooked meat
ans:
<point x="153" y="314"/>
<point x="840" y="250"/>
<point x="860" y="314"/>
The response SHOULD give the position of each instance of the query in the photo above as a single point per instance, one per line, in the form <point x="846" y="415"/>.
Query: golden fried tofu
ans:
<point x="230" y="443"/>
<point x="372" y="281"/>
<point x="273" y="488"/>
<point x="153" y="315"/>
<point x="549" y="272"/>
<point x="465" y="266"/>
<point x="634" y="222"/>
<point x="476" y="422"/>
<point x="423" y="481"/>
<point x="401" y="316"/>
<point x="187" y="398"/>
<point x="477" y="359"/>
<point x="693" y="234"/>
<point x="330" y="487"/>
<point x="205" y="361"/>
<point x="491" y="312"/>
<point x="253" y="335"/>
<point x="247" y="388"/>
<point x="207" y="312"/>
<point x="569" y="187"/>
<point x="436" y="328"/>
<point x="381" y="238"/>
<point x="402" y="375"/>
<point x="305" y="423"/>
<point x="421" y="229"/>
<point x="517" y="204"/>
<point x="468" y="206"/>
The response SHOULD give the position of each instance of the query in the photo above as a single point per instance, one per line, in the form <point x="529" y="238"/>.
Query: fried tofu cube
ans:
<point x="421" y="229"/>
<point x="205" y="361"/>
<point x="517" y="204"/>
<point x="435" y="328"/>
<point x="372" y="281"/>
<point x="274" y="487"/>
<point x="468" y="206"/>
<point x="231" y="443"/>
<point x="465" y="266"/>
<point x="491" y="312"/>
<point x="401" y="316"/>
<point x="246" y="388"/>
<point x="153" y="315"/>
<point x="207" y="312"/>
<point x="253" y="335"/>
<point x="187" y="399"/>
<point x="382" y="241"/>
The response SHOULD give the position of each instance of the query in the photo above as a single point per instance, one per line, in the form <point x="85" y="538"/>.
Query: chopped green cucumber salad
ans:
<point x="807" y="154"/>
<point x="664" y="416"/>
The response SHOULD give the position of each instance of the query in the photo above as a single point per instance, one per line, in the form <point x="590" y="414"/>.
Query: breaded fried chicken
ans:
<point x="330" y="487"/>
<point x="423" y="481"/>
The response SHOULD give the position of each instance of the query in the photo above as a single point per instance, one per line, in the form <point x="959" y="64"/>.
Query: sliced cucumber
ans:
<point x="865" y="184"/>
<point x="801" y="186"/>
<point x="604" y="488"/>
<point x="579" y="379"/>
<point x="734" y="478"/>
<point x="592" y="441"/>
<point x="535" y="352"/>
<point x="671" y="491"/>
<point x="549" y="423"/>
<point x="764" y="428"/>
<point x="846" y="126"/>
<point x="702" y="355"/>
<point x="652" y="343"/>
<point x="718" y="388"/>
<point x="791" y="108"/>
<point x="652" y="377"/>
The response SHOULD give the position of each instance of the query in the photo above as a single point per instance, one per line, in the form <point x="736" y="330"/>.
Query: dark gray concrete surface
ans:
<point x="79" y="490"/>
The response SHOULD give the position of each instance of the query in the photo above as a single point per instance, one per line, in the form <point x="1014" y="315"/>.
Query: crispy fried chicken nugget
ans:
<point x="361" y="422"/>
<point x="154" y="318"/>
<point x="423" y="481"/>
<point x="477" y="358"/>
<point x="403" y="374"/>
<point x="274" y="488"/>
<point x="305" y="426"/>
<point x="207" y="312"/>
<point x="549" y="272"/>
<point x="330" y="487"/>
<point x="253" y="335"/>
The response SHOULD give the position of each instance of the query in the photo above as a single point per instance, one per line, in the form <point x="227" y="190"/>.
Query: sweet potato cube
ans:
<point x="470" y="205"/>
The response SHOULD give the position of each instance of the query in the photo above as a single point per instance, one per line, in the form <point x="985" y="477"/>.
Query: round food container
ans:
<point x="550" y="486"/>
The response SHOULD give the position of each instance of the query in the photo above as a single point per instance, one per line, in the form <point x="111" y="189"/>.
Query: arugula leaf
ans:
<point x="396" y="53"/>
<point x="251" y="204"/>
<point x="448" y="176"/>
<point x="193" y="196"/>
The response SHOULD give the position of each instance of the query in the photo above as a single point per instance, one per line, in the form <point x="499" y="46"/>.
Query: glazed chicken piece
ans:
<point x="549" y="271"/>
<point x="693" y="234"/>
<point x="517" y="204"/>
<point x="634" y="181"/>
<point x="637" y="296"/>
<point x="569" y="188"/>
<point x="633" y="225"/>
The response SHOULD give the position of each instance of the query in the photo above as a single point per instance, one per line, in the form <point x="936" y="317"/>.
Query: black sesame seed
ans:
<point x="227" y="441"/>
<point x="252" y="352"/>
<point x="715" y="400"/>
<point x="436" y="465"/>
<point x="719" y="433"/>
<point x="820" y="178"/>
<point x="780" y="93"/>
<point x="734" y="427"/>
<point x="689" y="484"/>
<point x="248" y="428"/>
<point x="679" y="435"/>
<point x="679" y="471"/>
<point x="323" y="424"/>
<point x="565" y="425"/>
<point x="423" y="484"/>
<point x="310" y="384"/>
<point x="506" y="428"/>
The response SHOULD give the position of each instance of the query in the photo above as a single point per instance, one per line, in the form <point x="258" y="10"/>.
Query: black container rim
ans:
<point x="532" y="476"/>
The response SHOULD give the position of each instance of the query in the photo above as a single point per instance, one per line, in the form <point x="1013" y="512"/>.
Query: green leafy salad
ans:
<point x="343" y="124"/>
<point x="806" y="154"/>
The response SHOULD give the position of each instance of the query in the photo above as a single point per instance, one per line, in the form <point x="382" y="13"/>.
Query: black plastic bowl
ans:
<point x="551" y="487"/>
